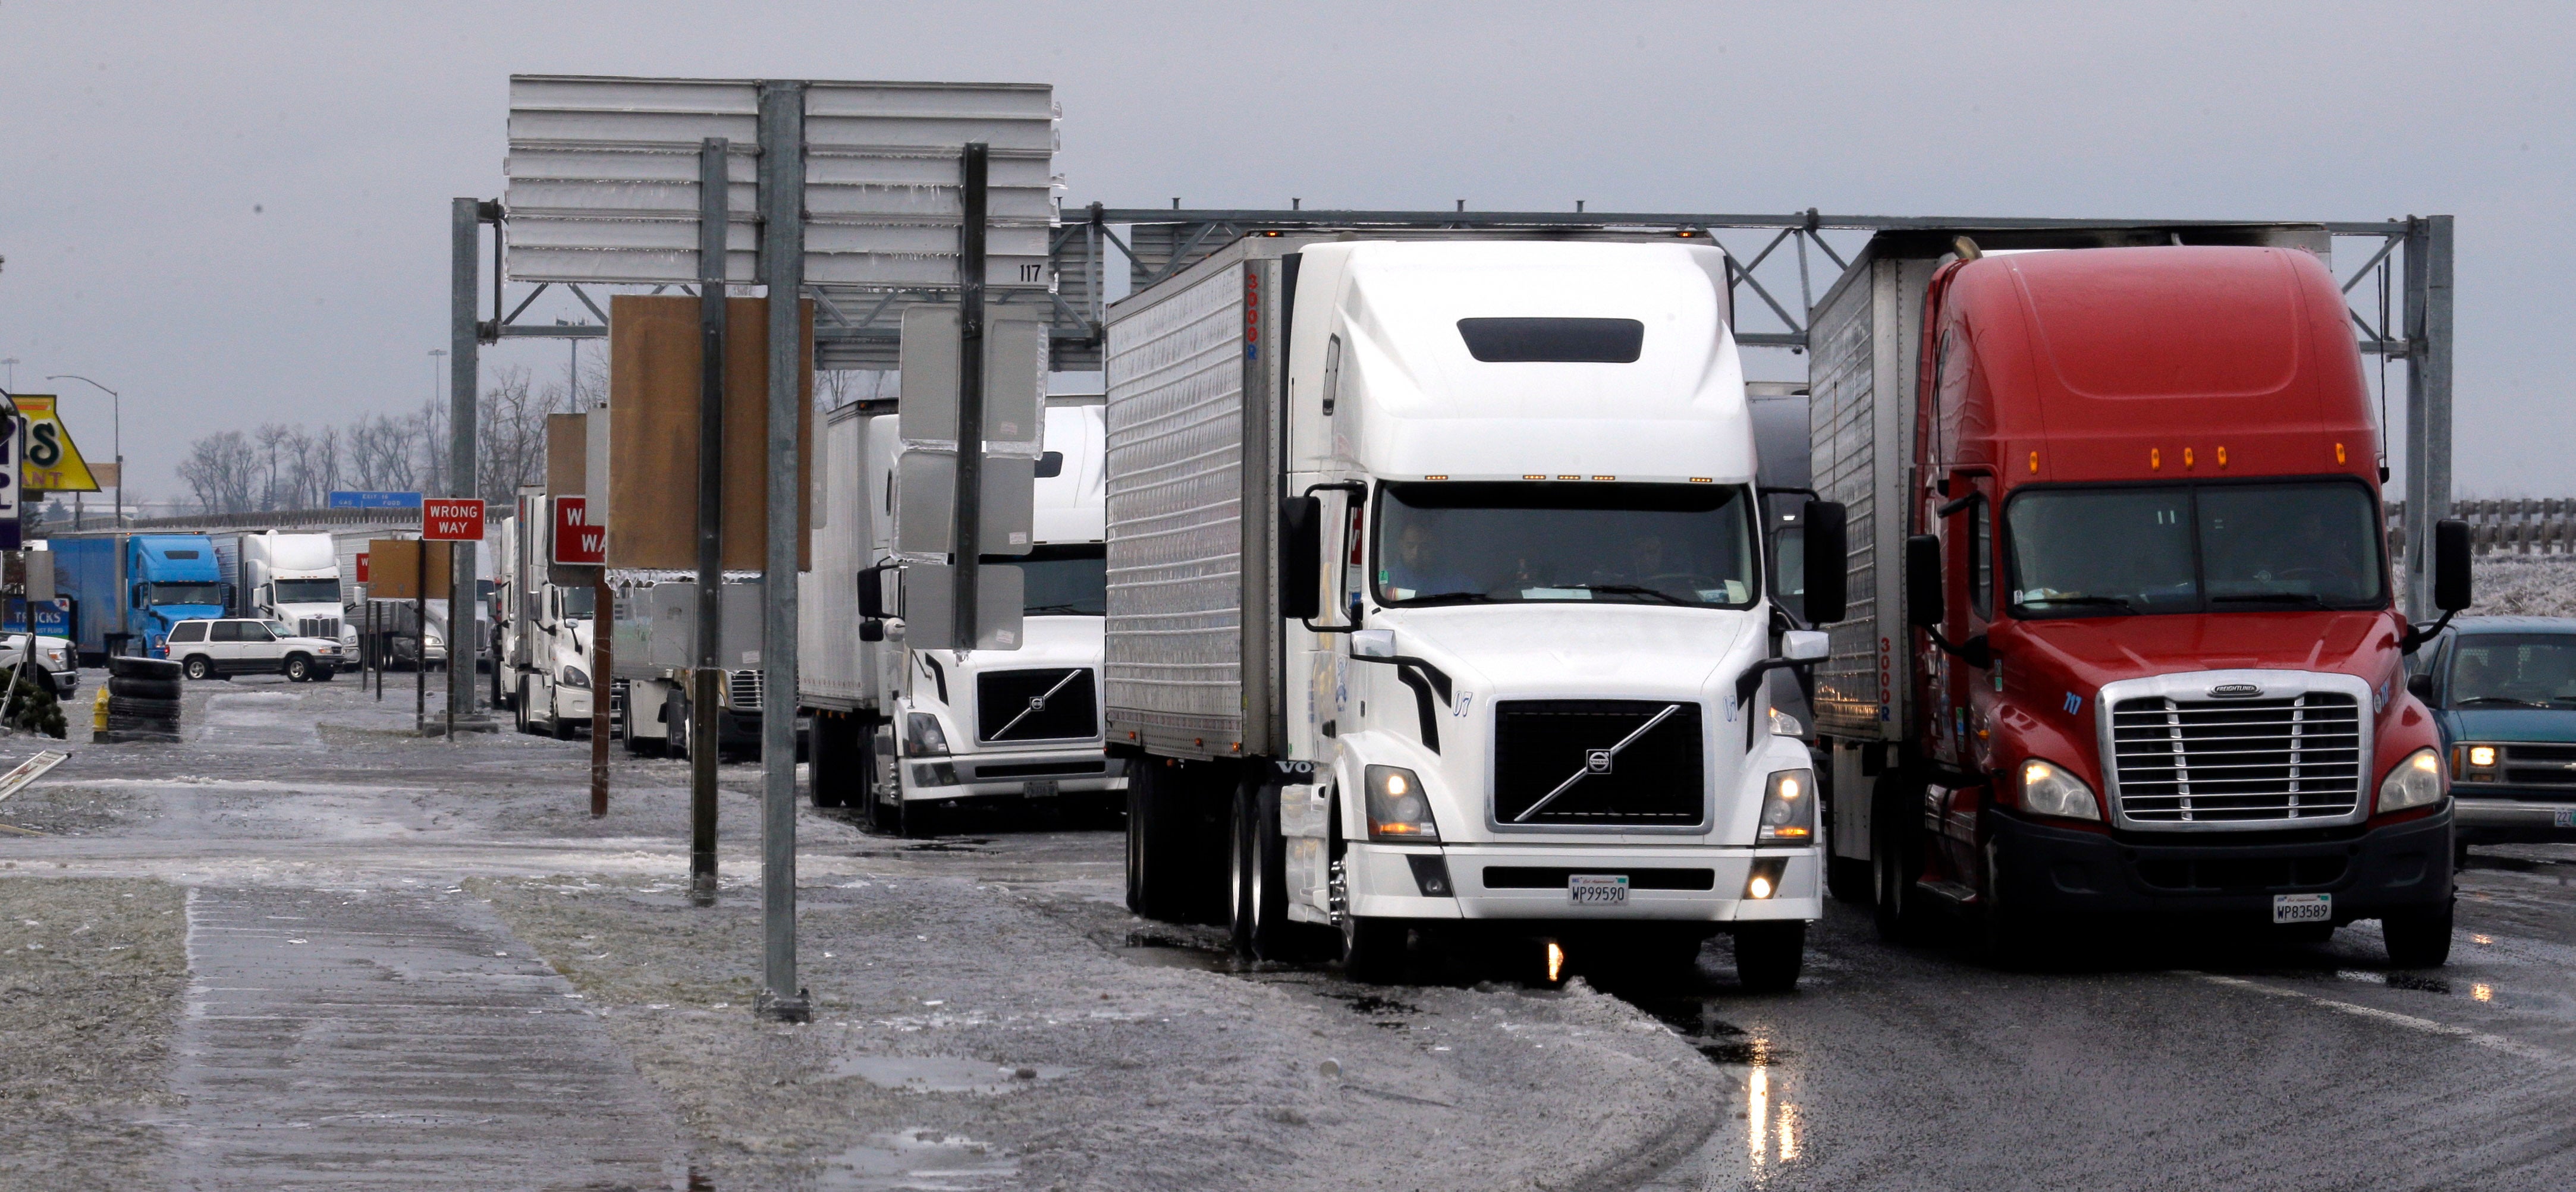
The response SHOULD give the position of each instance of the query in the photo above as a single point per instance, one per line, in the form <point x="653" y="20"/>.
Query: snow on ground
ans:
<point x="2525" y="586"/>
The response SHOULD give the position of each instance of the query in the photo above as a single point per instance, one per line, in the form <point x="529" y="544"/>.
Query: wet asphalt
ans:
<point x="2129" y="1062"/>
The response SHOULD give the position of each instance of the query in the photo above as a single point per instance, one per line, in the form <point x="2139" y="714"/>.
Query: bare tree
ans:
<point x="222" y="472"/>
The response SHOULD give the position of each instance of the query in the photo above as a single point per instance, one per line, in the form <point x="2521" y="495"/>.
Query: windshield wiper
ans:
<point x="1450" y="598"/>
<point x="2105" y="601"/>
<point x="2497" y="699"/>
<point x="1631" y="590"/>
<point x="2310" y="599"/>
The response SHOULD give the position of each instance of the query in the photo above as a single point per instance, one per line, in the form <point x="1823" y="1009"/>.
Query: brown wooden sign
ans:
<point x="394" y="569"/>
<point x="653" y="362"/>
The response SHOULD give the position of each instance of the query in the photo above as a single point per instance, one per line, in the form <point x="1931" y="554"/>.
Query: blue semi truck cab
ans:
<point x="129" y="589"/>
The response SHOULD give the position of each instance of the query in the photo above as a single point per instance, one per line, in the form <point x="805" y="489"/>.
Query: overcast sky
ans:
<point x="238" y="213"/>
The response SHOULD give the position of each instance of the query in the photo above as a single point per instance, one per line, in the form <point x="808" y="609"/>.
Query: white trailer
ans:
<point x="904" y="733"/>
<point x="1437" y="601"/>
<point x="655" y="621"/>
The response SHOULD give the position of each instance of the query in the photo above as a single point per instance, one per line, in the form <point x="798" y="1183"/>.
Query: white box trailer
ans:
<point x="655" y="622"/>
<point x="1437" y="600"/>
<point x="901" y="732"/>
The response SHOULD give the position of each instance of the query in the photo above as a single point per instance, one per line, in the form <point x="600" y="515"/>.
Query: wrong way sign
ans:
<point x="577" y="542"/>
<point x="451" y="519"/>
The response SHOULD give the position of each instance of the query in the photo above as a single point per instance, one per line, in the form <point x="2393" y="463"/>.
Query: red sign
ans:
<point x="362" y="567"/>
<point x="451" y="519"/>
<point x="577" y="541"/>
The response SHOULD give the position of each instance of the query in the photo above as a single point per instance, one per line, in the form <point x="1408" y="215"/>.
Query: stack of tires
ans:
<point x="142" y="699"/>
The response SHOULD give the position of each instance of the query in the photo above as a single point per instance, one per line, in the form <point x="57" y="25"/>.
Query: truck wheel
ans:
<point x="1373" y="949"/>
<point x="828" y="748"/>
<point x="1156" y="870"/>
<point x="1243" y="859"/>
<point x="200" y="667"/>
<point x="1896" y="859"/>
<point x="676" y="743"/>
<point x="299" y="669"/>
<point x="2418" y="940"/>
<point x="1768" y="955"/>
<point x="1848" y="880"/>
<point x="556" y="726"/>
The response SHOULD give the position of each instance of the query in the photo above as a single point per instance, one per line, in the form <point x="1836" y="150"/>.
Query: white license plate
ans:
<point x="1038" y="788"/>
<point x="2563" y="817"/>
<point x="2303" y="908"/>
<point x="1597" y="889"/>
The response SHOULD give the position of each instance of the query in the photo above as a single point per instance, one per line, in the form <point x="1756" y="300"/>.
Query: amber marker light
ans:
<point x="1703" y="480"/>
<point x="2338" y="453"/>
<point x="1555" y="962"/>
<point x="1605" y="478"/>
<point x="2155" y="460"/>
<point x="1435" y="477"/>
<point x="1569" y="477"/>
<point x="2186" y="457"/>
<point x="1535" y="476"/>
<point x="2222" y="456"/>
<point x="2034" y="461"/>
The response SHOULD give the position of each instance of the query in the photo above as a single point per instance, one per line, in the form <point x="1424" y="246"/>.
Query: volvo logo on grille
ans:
<point x="1597" y="761"/>
<point x="1037" y="703"/>
<point x="2235" y="691"/>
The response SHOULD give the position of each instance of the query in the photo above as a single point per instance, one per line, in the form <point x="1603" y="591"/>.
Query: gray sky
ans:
<point x="238" y="213"/>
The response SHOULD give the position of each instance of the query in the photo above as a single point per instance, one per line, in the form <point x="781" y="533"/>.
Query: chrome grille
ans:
<point x="2534" y="763"/>
<point x="743" y="689"/>
<point x="2245" y="761"/>
<point x="327" y="628"/>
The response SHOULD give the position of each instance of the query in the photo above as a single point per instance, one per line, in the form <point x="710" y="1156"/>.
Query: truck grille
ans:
<point x="2238" y="761"/>
<point x="1564" y="748"/>
<point x="327" y="628"/>
<point x="1036" y="705"/>
<point x="2538" y="764"/>
<point x="743" y="689"/>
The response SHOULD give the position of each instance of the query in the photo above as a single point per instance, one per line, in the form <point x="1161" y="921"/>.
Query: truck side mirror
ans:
<point x="1924" y="593"/>
<point x="2451" y="553"/>
<point x="1301" y="557"/>
<point x="1828" y="563"/>
<point x="2421" y="686"/>
<point x="872" y="592"/>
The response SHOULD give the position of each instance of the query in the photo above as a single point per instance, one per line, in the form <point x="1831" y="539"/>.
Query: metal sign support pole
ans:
<point x="782" y="251"/>
<point x="2428" y="401"/>
<point x="970" y="390"/>
<point x="706" y="682"/>
<point x="420" y="635"/>
<point x="465" y="336"/>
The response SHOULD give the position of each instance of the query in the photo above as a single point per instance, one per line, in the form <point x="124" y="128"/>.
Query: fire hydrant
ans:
<point x="98" y="717"/>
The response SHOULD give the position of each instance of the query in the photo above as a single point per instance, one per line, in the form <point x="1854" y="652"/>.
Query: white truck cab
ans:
<point x="901" y="731"/>
<point x="1493" y="645"/>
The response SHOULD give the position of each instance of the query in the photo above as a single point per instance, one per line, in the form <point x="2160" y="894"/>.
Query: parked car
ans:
<point x="246" y="646"/>
<point x="2504" y="692"/>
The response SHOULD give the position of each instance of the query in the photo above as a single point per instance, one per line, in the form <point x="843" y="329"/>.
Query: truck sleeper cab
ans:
<point x="1501" y="660"/>
<point x="2153" y="660"/>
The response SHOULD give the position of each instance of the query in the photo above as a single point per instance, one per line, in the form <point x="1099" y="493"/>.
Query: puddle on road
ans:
<point x="1721" y="1041"/>
<point x="918" y="1158"/>
<point x="1384" y="1013"/>
<point x="1163" y="951"/>
<point x="942" y="1074"/>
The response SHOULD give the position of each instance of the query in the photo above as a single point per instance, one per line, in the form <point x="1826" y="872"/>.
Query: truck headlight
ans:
<point x="1788" y="808"/>
<point x="1785" y="725"/>
<point x="1397" y="809"/>
<point x="922" y="736"/>
<point x="576" y="677"/>
<point x="2416" y="782"/>
<point x="2476" y="763"/>
<point x="2047" y="789"/>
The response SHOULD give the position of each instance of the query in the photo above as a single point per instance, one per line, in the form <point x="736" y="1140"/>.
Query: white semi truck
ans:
<point x="277" y="576"/>
<point x="544" y="664"/>
<point x="655" y="620"/>
<point x="905" y="733"/>
<point x="1436" y="600"/>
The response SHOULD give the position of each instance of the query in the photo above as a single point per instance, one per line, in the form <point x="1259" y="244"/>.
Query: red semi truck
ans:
<point x="2122" y="639"/>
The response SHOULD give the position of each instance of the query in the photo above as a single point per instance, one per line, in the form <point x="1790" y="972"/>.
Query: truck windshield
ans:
<point x="2513" y="670"/>
<point x="580" y="602"/>
<point x="165" y="593"/>
<point x="1062" y="581"/>
<point x="1468" y="543"/>
<point x="308" y="591"/>
<point x="2192" y="548"/>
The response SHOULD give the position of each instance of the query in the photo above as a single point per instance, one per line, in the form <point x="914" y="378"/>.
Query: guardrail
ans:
<point x="272" y="519"/>
<point x="2506" y="525"/>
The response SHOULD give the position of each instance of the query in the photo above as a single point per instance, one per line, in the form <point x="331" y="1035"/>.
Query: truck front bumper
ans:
<point x="2516" y="818"/>
<point x="1012" y="775"/>
<point x="1533" y="882"/>
<point x="2066" y="871"/>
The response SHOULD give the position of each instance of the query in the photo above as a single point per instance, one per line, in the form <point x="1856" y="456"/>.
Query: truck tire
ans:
<point x="834" y="743"/>
<point x="298" y="668"/>
<point x="1896" y="859"/>
<point x="2418" y="940"/>
<point x="143" y="668"/>
<point x="557" y="726"/>
<point x="1373" y="949"/>
<point x="144" y="688"/>
<point x="1157" y="871"/>
<point x="519" y="711"/>
<point x="1259" y="877"/>
<point x="200" y="667"/>
<point x="676" y="744"/>
<point x="1768" y="955"/>
<point x="140" y="706"/>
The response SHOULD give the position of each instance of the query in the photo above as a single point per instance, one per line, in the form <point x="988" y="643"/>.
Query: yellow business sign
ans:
<point x="52" y="463"/>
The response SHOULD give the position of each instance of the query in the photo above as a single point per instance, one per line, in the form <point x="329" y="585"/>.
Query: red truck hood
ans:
<point x="2087" y="652"/>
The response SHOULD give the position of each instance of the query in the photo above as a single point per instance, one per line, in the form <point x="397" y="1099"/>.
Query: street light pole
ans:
<point x="116" y="406"/>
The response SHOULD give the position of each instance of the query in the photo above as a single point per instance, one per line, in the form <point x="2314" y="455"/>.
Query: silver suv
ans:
<point x="245" y="646"/>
